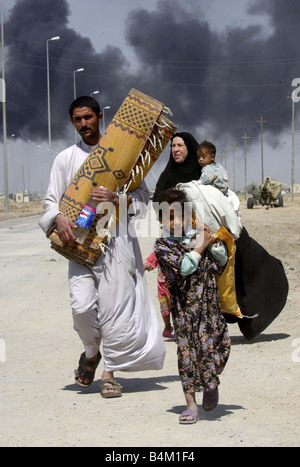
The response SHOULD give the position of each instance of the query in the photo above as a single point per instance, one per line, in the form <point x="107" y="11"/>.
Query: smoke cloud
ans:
<point x="31" y="23"/>
<point x="217" y="84"/>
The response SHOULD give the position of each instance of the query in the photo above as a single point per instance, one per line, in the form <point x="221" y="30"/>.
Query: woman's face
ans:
<point x="179" y="150"/>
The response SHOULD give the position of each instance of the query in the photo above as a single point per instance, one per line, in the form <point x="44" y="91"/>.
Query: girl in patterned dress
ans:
<point x="202" y="336"/>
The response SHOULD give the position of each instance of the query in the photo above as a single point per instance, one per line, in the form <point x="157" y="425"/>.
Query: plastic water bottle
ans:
<point x="85" y="220"/>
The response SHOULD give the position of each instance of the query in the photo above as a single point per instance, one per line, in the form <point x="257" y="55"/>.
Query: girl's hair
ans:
<point x="210" y="146"/>
<point x="171" y="196"/>
<point x="174" y="199"/>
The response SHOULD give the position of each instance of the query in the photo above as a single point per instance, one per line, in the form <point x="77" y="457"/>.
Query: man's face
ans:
<point x="86" y="123"/>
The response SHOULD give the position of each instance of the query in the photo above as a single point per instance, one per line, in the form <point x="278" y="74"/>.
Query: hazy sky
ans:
<point x="218" y="64"/>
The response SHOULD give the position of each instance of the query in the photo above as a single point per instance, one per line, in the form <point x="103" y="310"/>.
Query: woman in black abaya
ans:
<point x="261" y="283"/>
<point x="178" y="170"/>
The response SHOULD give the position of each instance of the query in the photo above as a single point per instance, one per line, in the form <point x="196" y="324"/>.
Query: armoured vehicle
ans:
<point x="268" y="194"/>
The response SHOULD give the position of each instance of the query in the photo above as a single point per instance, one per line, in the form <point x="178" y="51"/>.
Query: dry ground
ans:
<point x="41" y="405"/>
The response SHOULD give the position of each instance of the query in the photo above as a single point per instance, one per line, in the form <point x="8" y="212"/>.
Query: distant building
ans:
<point x="19" y="197"/>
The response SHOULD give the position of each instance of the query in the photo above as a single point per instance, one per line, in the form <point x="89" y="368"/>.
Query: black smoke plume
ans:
<point x="217" y="84"/>
<point x="220" y="82"/>
<point x="31" y="23"/>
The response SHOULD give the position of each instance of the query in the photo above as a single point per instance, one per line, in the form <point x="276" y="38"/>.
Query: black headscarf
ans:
<point x="183" y="172"/>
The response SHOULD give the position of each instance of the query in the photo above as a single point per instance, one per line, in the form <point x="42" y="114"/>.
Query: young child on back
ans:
<point x="202" y="336"/>
<point x="212" y="172"/>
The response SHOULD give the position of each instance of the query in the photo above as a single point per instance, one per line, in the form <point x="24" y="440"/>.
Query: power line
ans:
<point x="205" y="64"/>
<point x="167" y="83"/>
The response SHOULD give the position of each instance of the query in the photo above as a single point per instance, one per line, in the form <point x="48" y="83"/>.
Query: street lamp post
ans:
<point x="3" y="99"/>
<point x="56" y="38"/>
<point x="262" y="121"/>
<point x="74" y="79"/>
<point x="12" y="164"/>
<point x="245" y="137"/>
<point x="104" y="108"/>
<point x="74" y="88"/>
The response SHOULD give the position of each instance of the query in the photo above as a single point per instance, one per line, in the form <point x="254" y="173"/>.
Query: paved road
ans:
<point x="42" y="406"/>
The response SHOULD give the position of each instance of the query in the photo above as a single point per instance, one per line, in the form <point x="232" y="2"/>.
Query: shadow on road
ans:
<point x="261" y="338"/>
<point x="220" y="411"/>
<point x="130" y="385"/>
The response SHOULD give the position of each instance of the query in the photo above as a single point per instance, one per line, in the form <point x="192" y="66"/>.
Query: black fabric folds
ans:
<point x="261" y="286"/>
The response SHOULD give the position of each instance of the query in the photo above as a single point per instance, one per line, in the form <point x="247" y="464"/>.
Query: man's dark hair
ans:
<point x="84" y="101"/>
<point x="210" y="146"/>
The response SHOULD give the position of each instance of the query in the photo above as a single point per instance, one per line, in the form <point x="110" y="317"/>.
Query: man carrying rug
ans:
<point x="109" y="299"/>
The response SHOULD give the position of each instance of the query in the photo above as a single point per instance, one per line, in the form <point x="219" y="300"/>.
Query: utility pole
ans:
<point x="3" y="98"/>
<point x="225" y="152"/>
<point x="293" y="143"/>
<point x="233" y="153"/>
<point x="245" y="137"/>
<point x="293" y="146"/>
<point x="261" y="121"/>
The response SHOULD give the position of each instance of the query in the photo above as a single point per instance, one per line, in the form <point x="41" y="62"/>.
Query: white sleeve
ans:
<point x="56" y="188"/>
<point x="140" y="199"/>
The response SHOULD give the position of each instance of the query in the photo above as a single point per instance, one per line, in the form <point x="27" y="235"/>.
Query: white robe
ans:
<point x="213" y="207"/>
<point x="109" y="300"/>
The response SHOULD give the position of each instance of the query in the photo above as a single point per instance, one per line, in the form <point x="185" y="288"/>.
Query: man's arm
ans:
<point x="101" y="195"/>
<point x="56" y="189"/>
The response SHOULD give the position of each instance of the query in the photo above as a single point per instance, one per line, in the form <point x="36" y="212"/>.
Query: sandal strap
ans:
<point x="113" y="383"/>
<point x="87" y="368"/>
<point x="83" y="362"/>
